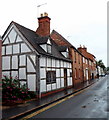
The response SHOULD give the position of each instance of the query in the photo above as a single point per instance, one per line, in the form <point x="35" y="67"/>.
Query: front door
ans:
<point x="65" y="78"/>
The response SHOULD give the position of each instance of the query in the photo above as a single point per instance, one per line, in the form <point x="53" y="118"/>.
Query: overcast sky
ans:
<point x="79" y="21"/>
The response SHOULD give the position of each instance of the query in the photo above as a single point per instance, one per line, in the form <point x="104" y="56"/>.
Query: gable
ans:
<point x="12" y="36"/>
<point x="13" y="43"/>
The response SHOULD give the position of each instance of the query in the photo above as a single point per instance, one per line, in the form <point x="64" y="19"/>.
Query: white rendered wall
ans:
<point x="15" y="59"/>
<point x="32" y="82"/>
<point x="50" y="64"/>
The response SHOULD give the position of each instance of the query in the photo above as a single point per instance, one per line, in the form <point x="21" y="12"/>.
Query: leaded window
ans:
<point x="51" y="76"/>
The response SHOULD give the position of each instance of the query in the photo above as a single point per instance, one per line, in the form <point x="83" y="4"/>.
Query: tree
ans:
<point x="101" y="64"/>
<point x="107" y="68"/>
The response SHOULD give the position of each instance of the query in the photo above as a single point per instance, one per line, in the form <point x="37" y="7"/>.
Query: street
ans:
<point x="90" y="103"/>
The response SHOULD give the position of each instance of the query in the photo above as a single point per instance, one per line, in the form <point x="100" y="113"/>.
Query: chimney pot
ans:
<point x="45" y="14"/>
<point x="41" y="14"/>
<point x="44" y="25"/>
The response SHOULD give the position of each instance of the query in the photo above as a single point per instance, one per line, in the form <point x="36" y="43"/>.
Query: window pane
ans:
<point x="51" y="76"/>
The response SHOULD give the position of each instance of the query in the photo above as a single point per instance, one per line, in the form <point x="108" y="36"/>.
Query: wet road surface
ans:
<point x="90" y="103"/>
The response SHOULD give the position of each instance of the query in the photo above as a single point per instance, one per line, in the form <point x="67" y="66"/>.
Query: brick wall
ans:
<point x="44" y="26"/>
<point x="90" y="57"/>
<point x="77" y="67"/>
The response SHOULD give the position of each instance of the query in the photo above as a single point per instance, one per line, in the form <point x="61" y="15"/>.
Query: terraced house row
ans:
<point x="45" y="61"/>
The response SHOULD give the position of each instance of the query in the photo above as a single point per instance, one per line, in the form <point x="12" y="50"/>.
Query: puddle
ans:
<point x="96" y="100"/>
<point x="84" y="106"/>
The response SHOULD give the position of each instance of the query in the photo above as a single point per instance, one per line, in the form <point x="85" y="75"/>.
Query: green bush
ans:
<point x="13" y="91"/>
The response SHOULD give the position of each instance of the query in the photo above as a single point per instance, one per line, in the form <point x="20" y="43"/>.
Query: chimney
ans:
<point x="44" y="25"/>
<point x="82" y="49"/>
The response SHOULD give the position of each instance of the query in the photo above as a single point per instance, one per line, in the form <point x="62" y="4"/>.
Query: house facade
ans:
<point x="35" y="60"/>
<point x="89" y="64"/>
<point x="46" y="62"/>
<point x="74" y="55"/>
<point x="100" y="71"/>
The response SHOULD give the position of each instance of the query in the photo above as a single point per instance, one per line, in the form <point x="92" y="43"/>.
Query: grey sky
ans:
<point x="80" y="21"/>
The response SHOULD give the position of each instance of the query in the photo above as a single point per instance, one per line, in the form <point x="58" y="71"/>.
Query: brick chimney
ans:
<point x="44" y="25"/>
<point x="82" y="49"/>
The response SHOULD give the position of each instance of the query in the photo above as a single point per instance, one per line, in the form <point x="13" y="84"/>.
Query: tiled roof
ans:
<point x="35" y="40"/>
<point x="61" y="41"/>
<point x="62" y="48"/>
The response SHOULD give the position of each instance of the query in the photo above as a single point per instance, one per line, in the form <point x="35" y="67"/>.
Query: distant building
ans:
<point x="100" y="71"/>
<point x="89" y="64"/>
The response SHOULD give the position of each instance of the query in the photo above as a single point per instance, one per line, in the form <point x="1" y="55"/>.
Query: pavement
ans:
<point x="13" y="112"/>
<point x="87" y="104"/>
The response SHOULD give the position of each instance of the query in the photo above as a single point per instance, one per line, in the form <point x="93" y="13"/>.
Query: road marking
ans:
<point x="52" y="105"/>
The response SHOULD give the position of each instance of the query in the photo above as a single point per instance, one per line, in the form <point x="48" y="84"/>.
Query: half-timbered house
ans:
<point x="37" y="61"/>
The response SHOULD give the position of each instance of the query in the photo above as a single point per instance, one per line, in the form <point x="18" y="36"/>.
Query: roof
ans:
<point x="35" y="40"/>
<point x="62" y="48"/>
<point x="86" y="54"/>
<point x="61" y="41"/>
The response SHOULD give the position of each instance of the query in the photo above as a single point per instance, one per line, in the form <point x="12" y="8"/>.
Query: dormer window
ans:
<point x="66" y="53"/>
<point x="47" y="46"/>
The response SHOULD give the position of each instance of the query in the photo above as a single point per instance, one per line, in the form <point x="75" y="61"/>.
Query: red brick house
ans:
<point x="89" y="64"/>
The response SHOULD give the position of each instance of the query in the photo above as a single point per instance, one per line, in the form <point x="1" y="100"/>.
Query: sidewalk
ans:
<point x="14" y="111"/>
